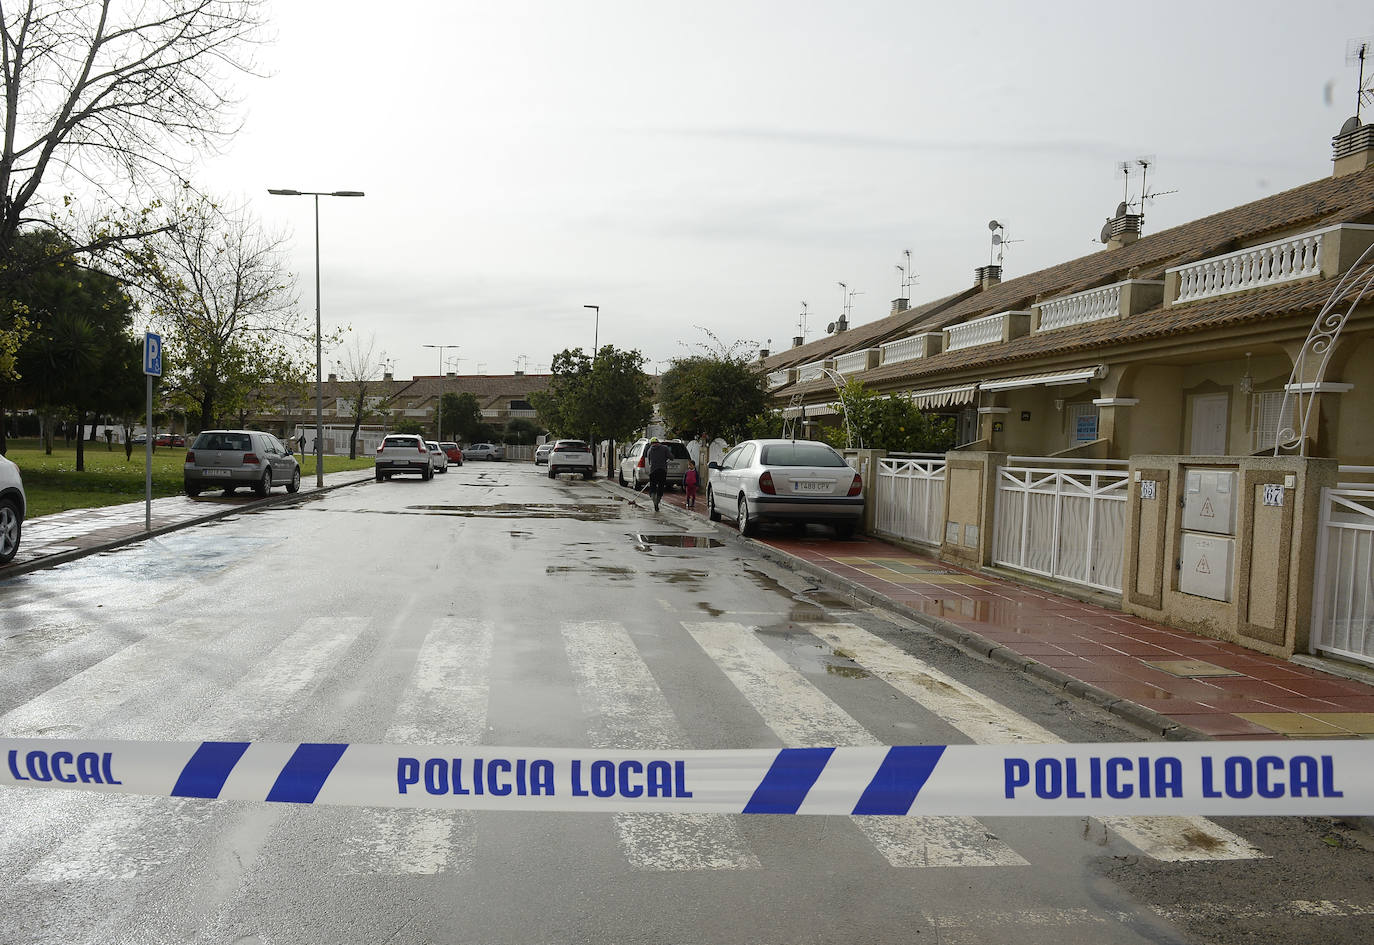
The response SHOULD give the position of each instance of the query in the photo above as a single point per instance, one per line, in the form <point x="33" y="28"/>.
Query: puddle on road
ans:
<point x="583" y="513"/>
<point x="615" y="574"/>
<point x="678" y="541"/>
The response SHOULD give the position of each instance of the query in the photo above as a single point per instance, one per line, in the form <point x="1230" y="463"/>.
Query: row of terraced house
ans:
<point x="1119" y="414"/>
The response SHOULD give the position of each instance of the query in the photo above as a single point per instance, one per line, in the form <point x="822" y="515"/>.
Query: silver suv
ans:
<point x="13" y="502"/>
<point x="633" y="469"/>
<point x="403" y="453"/>
<point x="228" y="459"/>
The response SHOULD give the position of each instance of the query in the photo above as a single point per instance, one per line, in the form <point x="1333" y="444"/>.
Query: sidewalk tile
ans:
<point x="1221" y="724"/>
<point x="1293" y="723"/>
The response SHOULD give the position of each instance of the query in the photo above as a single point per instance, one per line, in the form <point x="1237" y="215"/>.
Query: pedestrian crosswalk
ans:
<point x="613" y="673"/>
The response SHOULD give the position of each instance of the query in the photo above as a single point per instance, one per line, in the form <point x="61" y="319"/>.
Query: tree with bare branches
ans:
<point x="217" y="286"/>
<point x="358" y="372"/>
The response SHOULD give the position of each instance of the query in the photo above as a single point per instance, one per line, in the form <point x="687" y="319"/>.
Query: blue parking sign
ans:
<point x="152" y="354"/>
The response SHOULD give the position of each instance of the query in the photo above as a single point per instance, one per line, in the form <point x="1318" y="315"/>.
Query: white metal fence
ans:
<point x="1343" y="598"/>
<point x="1064" y="523"/>
<point x="910" y="497"/>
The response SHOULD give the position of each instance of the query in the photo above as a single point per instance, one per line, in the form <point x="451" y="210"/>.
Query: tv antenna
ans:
<point x="908" y="277"/>
<point x="801" y="324"/>
<point x="999" y="242"/>
<point x="1356" y="52"/>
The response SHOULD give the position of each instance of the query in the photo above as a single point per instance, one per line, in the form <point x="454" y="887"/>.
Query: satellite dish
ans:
<point x="1350" y="125"/>
<point x="1106" y="231"/>
<point x="1122" y="209"/>
<point x="830" y="329"/>
<point x="994" y="225"/>
<point x="996" y="240"/>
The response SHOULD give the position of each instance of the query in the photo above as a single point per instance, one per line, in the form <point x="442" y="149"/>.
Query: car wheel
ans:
<point x="587" y="475"/>
<point x="229" y="490"/>
<point x="553" y="473"/>
<point x="10" y="530"/>
<point x="711" y="511"/>
<point x="426" y="474"/>
<point x="263" y="485"/>
<point x="378" y="474"/>
<point x="192" y="490"/>
<point x="747" y="525"/>
<point x="620" y="477"/>
<point x="844" y="530"/>
<point x="294" y="485"/>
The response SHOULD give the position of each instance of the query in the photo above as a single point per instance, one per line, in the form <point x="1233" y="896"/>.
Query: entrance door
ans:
<point x="1209" y="424"/>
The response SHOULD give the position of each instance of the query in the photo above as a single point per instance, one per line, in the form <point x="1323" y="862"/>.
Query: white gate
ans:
<point x="1343" y="598"/>
<point x="1068" y="524"/>
<point x="910" y="497"/>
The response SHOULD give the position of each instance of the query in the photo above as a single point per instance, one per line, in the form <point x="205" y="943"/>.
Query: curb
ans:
<point x="62" y="557"/>
<point x="971" y="642"/>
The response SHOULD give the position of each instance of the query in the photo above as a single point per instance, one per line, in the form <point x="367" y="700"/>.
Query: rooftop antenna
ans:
<point x="999" y="241"/>
<point x="801" y="323"/>
<point x="1146" y="193"/>
<point x="1356" y="52"/>
<point x="481" y="367"/>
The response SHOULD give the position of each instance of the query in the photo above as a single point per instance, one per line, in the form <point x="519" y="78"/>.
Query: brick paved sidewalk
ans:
<point x="64" y="535"/>
<point x="1207" y="686"/>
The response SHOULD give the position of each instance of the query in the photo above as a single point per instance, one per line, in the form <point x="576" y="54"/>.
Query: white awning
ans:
<point x="1053" y="378"/>
<point x="810" y="410"/>
<point x="943" y="396"/>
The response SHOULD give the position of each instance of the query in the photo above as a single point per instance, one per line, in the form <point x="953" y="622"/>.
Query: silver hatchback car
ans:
<point x="230" y="459"/>
<point x="785" y="481"/>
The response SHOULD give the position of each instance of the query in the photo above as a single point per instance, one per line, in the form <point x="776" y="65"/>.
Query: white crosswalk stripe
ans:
<point x="627" y="710"/>
<point x="802" y="716"/>
<point x="987" y="722"/>
<point x="446" y="702"/>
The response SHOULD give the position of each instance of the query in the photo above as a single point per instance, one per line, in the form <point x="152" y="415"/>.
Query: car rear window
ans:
<point x="800" y="454"/>
<point x="572" y="446"/>
<point x="678" y="451"/>
<point x="407" y="441"/>
<point x="240" y="442"/>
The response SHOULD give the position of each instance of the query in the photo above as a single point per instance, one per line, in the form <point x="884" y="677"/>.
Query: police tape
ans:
<point x="1207" y="778"/>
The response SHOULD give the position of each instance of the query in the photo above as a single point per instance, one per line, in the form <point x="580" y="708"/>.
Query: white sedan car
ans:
<point x="785" y="481"/>
<point x="12" y="506"/>
<point x="438" y="459"/>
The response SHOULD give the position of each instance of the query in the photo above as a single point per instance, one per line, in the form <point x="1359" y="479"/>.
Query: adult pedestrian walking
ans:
<point x="656" y="458"/>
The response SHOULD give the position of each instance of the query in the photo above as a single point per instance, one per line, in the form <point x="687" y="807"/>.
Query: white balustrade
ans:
<point x="778" y="378"/>
<point x="809" y="372"/>
<point x="1081" y="308"/>
<point x="987" y="330"/>
<point x="1296" y="257"/>
<point x="852" y="362"/>
<point x="903" y="349"/>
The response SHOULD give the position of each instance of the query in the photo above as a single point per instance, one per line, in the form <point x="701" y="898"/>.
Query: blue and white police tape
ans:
<point x="1208" y="778"/>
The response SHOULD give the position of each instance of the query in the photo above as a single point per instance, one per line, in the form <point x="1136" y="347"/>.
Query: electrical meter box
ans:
<point x="1206" y="567"/>
<point x="1209" y="501"/>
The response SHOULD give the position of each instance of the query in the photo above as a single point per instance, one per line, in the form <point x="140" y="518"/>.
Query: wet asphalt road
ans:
<point x="494" y="606"/>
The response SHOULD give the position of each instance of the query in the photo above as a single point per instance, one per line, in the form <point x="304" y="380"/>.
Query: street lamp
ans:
<point x="439" y="423"/>
<point x="596" y="328"/>
<point x="319" y="385"/>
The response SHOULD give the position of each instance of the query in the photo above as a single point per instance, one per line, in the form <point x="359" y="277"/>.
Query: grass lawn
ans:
<point x="52" y="483"/>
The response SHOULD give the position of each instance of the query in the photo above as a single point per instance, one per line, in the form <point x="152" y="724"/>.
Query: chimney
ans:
<point x="985" y="277"/>
<point x="333" y="378"/>
<point x="900" y="305"/>
<point x="763" y="354"/>
<point x="798" y="341"/>
<point x="451" y="374"/>
<point x="841" y="324"/>
<point x="1123" y="229"/>
<point x="386" y="376"/>
<point x="1353" y="149"/>
<point x="518" y="373"/>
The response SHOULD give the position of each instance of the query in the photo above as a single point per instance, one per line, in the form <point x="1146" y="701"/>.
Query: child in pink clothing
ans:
<point x="689" y="482"/>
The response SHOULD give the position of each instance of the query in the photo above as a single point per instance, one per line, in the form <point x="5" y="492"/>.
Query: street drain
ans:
<point x="680" y="541"/>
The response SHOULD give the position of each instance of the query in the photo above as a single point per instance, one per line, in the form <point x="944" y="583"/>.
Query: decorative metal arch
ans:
<point x="1300" y="396"/>
<point x="837" y="379"/>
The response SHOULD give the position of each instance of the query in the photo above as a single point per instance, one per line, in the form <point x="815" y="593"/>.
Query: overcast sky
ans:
<point x="716" y="163"/>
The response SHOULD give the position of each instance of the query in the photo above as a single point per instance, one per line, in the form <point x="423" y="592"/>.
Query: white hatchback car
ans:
<point x="438" y="459"/>
<point x="785" y="481"/>
<point x="13" y="504"/>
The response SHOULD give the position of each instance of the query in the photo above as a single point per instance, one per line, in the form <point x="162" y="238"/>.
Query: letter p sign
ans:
<point x="152" y="354"/>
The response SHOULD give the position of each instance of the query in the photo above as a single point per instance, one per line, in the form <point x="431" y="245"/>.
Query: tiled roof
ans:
<point x="491" y="390"/>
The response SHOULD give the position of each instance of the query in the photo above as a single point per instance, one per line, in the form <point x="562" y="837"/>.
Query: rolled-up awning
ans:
<point x="810" y="410"/>
<point x="943" y="396"/>
<point x="1049" y="379"/>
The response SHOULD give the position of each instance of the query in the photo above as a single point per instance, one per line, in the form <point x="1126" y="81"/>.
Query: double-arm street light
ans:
<point x="319" y="386"/>
<point x="439" y="424"/>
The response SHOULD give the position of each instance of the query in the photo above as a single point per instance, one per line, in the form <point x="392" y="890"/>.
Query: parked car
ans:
<point x="785" y="480"/>
<point x="453" y="452"/>
<point x="13" y="505"/>
<point x="403" y="453"/>
<point x="437" y="457"/>
<point x="541" y="453"/>
<point x="179" y="440"/>
<point x="164" y="439"/>
<point x="138" y="439"/>
<point x="573" y="456"/>
<point x="489" y="451"/>
<point x="634" y="472"/>
<point x="228" y="459"/>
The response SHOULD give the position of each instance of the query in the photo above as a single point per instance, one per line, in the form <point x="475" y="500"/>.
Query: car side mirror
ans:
<point x="713" y="465"/>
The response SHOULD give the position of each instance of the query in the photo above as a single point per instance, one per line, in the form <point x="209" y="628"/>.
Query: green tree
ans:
<point x="608" y="397"/>
<point x="716" y="394"/>
<point x="892" y="423"/>
<point x="462" y="416"/>
<point x="357" y="376"/>
<point x="409" y="425"/>
<point x="521" y="430"/>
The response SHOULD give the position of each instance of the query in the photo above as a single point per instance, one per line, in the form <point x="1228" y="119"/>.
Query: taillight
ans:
<point x="382" y="447"/>
<point x="250" y="459"/>
<point x="640" y="464"/>
<point x="857" y="486"/>
<point x="766" y="483"/>
<point x="190" y="457"/>
<point x="419" y="449"/>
